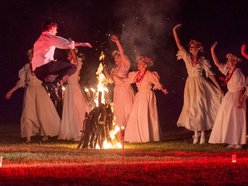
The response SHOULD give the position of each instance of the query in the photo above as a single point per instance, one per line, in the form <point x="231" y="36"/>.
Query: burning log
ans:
<point x="98" y="125"/>
<point x="99" y="130"/>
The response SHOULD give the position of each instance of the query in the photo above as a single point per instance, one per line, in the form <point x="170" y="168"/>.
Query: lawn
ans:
<point x="174" y="161"/>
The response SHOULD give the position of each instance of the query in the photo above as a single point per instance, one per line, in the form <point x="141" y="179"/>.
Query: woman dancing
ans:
<point x="39" y="115"/>
<point x="123" y="92"/>
<point x="74" y="103"/>
<point x="143" y="123"/>
<point x="230" y="124"/>
<point x="201" y="98"/>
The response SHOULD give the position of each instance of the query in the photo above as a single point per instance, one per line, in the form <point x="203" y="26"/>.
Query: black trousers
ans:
<point x="55" y="71"/>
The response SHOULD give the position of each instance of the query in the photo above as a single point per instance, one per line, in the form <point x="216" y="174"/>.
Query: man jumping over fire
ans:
<point x="43" y="64"/>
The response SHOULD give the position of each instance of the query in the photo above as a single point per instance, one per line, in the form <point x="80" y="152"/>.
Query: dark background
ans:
<point x="144" y="26"/>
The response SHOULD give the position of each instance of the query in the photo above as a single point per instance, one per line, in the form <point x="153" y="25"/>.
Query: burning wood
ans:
<point x="100" y="129"/>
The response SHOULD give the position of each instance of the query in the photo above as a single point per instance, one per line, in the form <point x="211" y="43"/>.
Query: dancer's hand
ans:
<point x="8" y="95"/>
<point x="165" y="91"/>
<point x="114" y="38"/>
<point x="177" y="26"/>
<point x="214" y="45"/>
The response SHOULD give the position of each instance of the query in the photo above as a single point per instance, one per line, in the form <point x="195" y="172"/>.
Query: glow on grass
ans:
<point x="69" y="146"/>
<point x="166" y="160"/>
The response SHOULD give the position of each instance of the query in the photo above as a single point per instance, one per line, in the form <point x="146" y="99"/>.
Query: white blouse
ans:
<point x="197" y="70"/>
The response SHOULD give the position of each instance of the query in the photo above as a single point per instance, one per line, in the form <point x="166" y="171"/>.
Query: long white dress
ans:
<point x="143" y="124"/>
<point x="39" y="115"/>
<point x="123" y="93"/>
<point x="201" y="98"/>
<point x="74" y="108"/>
<point x="230" y="124"/>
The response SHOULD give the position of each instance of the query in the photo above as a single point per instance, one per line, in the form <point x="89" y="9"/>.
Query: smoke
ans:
<point x="144" y="24"/>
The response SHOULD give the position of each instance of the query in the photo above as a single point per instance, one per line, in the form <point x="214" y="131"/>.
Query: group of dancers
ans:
<point x="43" y="75"/>
<point x="137" y="113"/>
<point x="204" y="106"/>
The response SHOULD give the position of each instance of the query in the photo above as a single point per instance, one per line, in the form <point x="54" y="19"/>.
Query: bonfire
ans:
<point x="100" y="130"/>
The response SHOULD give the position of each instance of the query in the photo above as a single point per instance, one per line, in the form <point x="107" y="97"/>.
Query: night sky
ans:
<point x="144" y="26"/>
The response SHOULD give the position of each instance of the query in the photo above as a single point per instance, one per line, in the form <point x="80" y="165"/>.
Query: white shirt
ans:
<point x="44" y="48"/>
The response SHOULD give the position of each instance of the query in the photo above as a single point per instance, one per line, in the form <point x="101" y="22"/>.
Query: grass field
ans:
<point x="174" y="161"/>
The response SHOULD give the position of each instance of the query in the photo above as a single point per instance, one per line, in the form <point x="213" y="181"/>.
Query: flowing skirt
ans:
<point x="230" y="123"/>
<point x="143" y="124"/>
<point x="201" y="103"/>
<point x="123" y="101"/>
<point x="39" y="114"/>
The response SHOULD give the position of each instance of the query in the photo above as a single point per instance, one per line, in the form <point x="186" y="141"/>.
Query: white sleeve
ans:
<point x="60" y="42"/>
<point x="239" y="79"/>
<point x="126" y="62"/>
<point x="181" y="54"/>
<point x="223" y="69"/>
<point x="22" y="74"/>
<point x="207" y="67"/>
<point x="154" y="78"/>
<point x="131" y="77"/>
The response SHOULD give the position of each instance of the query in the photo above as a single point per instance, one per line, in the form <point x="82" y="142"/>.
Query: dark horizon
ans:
<point x="143" y="26"/>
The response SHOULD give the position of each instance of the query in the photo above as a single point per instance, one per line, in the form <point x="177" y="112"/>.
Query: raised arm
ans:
<point x="243" y="47"/>
<point x="115" y="39"/>
<point x="178" y="42"/>
<point x="214" y="56"/>
<point x="72" y="51"/>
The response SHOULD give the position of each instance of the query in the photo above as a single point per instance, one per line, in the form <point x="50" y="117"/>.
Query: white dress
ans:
<point x="201" y="98"/>
<point x="143" y="124"/>
<point x="74" y="108"/>
<point x="230" y="123"/>
<point x="39" y="115"/>
<point x="123" y="93"/>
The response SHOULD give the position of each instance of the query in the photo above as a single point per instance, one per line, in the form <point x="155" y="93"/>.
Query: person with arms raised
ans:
<point x="201" y="98"/>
